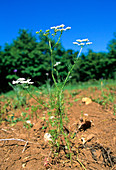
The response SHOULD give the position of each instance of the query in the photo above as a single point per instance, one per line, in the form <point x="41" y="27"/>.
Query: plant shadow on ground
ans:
<point x="93" y="147"/>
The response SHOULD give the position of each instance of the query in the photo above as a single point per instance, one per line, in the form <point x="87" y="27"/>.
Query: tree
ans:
<point x="91" y="66"/>
<point x="112" y="57"/>
<point x="30" y="58"/>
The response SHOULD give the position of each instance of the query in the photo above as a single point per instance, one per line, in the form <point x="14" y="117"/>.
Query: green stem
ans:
<point x="52" y="64"/>
<point x="70" y="71"/>
<point x="51" y="51"/>
<point x="32" y="95"/>
<point x="58" y="39"/>
<point x="60" y="93"/>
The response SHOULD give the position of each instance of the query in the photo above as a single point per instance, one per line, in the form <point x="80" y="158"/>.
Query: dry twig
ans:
<point x="21" y="140"/>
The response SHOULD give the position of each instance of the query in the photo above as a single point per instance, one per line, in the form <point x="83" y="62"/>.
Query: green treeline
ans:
<point x="31" y="59"/>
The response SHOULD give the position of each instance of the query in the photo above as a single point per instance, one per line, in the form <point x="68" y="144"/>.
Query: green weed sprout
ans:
<point x="59" y="87"/>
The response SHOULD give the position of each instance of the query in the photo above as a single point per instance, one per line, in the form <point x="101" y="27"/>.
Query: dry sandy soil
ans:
<point x="92" y="140"/>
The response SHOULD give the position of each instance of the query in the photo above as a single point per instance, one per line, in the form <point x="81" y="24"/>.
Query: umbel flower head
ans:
<point x="22" y="81"/>
<point x="82" y="42"/>
<point x="56" y="29"/>
<point x="60" y="28"/>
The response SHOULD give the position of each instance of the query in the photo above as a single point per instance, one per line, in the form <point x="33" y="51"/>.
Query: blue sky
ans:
<point x="92" y="19"/>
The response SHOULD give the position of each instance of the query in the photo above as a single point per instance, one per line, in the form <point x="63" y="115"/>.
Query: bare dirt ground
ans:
<point x="93" y="144"/>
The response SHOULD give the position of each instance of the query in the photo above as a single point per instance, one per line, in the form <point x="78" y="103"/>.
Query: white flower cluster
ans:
<point x="60" y="28"/>
<point x="57" y="63"/>
<point x="22" y="81"/>
<point x="28" y="121"/>
<point x="82" y="42"/>
<point x="52" y="117"/>
<point x="47" y="137"/>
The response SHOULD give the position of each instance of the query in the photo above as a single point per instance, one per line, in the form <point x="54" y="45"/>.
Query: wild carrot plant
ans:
<point x="58" y="133"/>
<point x="19" y="87"/>
<point x="57" y="100"/>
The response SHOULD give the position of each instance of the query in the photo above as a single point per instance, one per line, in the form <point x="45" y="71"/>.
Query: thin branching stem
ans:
<point x="70" y="71"/>
<point x="32" y="96"/>
<point x="52" y="64"/>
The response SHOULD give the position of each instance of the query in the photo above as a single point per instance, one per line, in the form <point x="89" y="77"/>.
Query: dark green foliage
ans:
<point x="112" y="57"/>
<point x="32" y="60"/>
<point x="92" y="66"/>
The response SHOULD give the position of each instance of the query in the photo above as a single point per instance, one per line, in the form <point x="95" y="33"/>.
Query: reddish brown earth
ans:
<point x="99" y="151"/>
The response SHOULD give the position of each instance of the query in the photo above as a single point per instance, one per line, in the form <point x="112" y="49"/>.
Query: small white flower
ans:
<point x="85" y="114"/>
<point x="23" y="82"/>
<point x="82" y="44"/>
<point x="51" y="117"/>
<point x="62" y="25"/>
<point x="78" y="40"/>
<point x="61" y="29"/>
<point x="57" y="63"/>
<point x="76" y="43"/>
<point x="28" y="81"/>
<point x="53" y="27"/>
<point x="15" y="82"/>
<point x="85" y="40"/>
<point x="47" y="74"/>
<point x="58" y="26"/>
<point x="58" y="29"/>
<point x="68" y="28"/>
<point x="21" y="79"/>
<point x="88" y="43"/>
<point x="28" y="121"/>
<point x="47" y="137"/>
